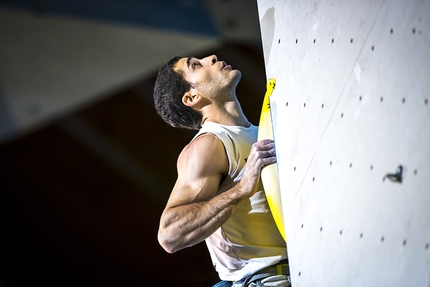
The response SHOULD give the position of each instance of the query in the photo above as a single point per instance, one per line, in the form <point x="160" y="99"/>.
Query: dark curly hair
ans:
<point x="170" y="87"/>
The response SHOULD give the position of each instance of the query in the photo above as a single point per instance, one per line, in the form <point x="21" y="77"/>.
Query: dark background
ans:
<point x="70" y="216"/>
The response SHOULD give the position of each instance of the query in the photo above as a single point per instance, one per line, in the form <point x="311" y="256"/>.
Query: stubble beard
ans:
<point x="221" y="90"/>
<point x="227" y="89"/>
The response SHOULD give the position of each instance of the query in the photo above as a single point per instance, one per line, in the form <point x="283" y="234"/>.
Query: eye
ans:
<point x="195" y="65"/>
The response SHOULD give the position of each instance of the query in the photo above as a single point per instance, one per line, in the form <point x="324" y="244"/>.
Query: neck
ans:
<point x="227" y="113"/>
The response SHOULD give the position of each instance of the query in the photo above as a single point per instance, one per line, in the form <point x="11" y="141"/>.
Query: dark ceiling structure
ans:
<point x="190" y="16"/>
<point x="81" y="196"/>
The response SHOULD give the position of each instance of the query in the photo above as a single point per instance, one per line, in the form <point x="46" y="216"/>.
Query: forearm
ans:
<point x="187" y="225"/>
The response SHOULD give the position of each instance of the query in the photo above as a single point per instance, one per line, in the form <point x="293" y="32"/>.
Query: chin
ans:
<point x="237" y="75"/>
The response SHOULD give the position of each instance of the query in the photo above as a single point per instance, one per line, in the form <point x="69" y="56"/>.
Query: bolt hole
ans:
<point x="352" y="40"/>
<point x="382" y="239"/>
<point x="371" y="167"/>
<point x="391" y="31"/>
<point x="361" y="235"/>
<point x="322" y="106"/>
<point x="373" y="48"/>
<point x="341" y="115"/>
<point x="415" y="172"/>
<point x="297" y="40"/>
<point x="332" y="41"/>
<point x="286" y="104"/>
<point x="300" y="273"/>
<point x="426" y="101"/>
<point x="403" y="100"/>
<point x="302" y="225"/>
<point x="321" y="229"/>
<point x="404" y="242"/>
<point x="427" y="246"/>
<point x="413" y="31"/>
<point x="331" y="162"/>
<point x="340" y="232"/>
<point x="350" y="165"/>
<point x="313" y="179"/>
<point x="279" y="41"/>
<point x="294" y="168"/>
<point x="382" y="99"/>
<point x="304" y="105"/>
<point x="315" y="41"/>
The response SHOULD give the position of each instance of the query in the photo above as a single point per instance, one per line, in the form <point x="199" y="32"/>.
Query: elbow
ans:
<point x="166" y="242"/>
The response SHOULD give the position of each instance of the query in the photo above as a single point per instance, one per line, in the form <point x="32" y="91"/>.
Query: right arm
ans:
<point x="194" y="211"/>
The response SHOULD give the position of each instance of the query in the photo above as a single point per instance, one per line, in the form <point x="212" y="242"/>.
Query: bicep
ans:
<point x="201" y="167"/>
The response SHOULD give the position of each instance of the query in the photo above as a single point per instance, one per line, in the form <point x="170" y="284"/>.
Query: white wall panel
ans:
<point x="350" y="106"/>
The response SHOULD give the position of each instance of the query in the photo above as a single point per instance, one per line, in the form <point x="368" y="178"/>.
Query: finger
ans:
<point x="266" y="142"/>
<point x="263" y="148"/>
<point x="263" y="145"/>
<point x="262" y="155"/>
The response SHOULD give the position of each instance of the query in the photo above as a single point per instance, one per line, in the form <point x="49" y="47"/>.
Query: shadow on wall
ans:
<point x="267" y="32"/>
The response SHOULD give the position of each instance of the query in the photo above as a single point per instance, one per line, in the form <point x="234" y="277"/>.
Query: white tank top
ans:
<point x="249" y="240"/>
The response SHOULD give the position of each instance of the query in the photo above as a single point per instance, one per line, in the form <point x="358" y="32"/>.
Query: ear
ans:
<point x="191" y="98"/>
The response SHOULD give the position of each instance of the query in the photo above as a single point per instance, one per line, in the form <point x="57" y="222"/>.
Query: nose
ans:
<point x="211" y="59"/>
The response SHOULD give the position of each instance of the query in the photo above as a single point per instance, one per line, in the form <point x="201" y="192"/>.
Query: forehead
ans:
<point x="182" y="64"/>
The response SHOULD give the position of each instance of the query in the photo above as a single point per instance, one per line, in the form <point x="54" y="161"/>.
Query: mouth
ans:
<point x="225" y="66"/>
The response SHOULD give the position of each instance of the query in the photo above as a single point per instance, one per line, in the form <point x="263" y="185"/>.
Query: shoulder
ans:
<point x="201" y="167"/>
<point x="205" y="152"/>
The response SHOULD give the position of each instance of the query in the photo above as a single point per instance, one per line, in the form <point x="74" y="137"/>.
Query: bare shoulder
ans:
<point x="206" y="153"/>
<point x="201" y="167"/>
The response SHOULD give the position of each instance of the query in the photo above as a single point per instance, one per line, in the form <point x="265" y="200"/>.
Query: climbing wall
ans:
<point x="351" y="120"/>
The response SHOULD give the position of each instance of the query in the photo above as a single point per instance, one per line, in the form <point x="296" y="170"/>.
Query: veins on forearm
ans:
<point x="192" y="223"/>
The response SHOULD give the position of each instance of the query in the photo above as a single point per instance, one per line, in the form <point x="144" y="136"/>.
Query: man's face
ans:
<point x="209" y="76"/>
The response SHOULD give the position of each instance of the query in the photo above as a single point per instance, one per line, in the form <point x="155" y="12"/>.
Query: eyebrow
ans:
<point x="188" y="62"/>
